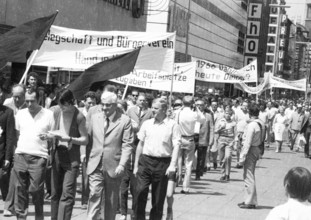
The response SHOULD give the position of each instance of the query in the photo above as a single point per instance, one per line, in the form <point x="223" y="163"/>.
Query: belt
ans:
<point x="185" y="136"/>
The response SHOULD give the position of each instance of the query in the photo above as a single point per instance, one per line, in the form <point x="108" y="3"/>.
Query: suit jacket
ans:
<point x="8" y="136"/>
<point x="115" y="146"/>
<point x="133" y="113"/>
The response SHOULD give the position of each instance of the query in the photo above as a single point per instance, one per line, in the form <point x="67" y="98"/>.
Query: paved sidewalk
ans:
<point x="210" y="199"/>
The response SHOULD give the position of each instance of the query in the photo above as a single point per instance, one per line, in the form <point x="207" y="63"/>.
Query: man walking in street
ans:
<point x="189" y="125"/>
<point x="156" y="159"/>
<point x="110" y="149"/>
<point x="253" y="138"/>
<point x="7" y="142"/>
<point x="70" y="123"/>
<point x="138" y="114"/>
<point x="16" y="103"/>
<point x="32" y="125"/>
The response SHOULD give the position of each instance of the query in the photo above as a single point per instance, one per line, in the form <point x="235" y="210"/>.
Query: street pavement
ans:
<point x="211" y="199"/>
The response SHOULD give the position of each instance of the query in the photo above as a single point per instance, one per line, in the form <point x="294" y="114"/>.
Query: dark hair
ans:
<point x="123" y="103"/>
<point x="31" y="90"/>
<point x="110" y="88"/>
<point x="90" y="94"/>
<point x="66" y="96"/>
<point x="297" y="183"/>
<point x="253" y="110"/>
<point x="33" y="74"/>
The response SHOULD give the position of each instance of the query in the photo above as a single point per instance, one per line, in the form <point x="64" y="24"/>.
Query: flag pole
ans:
<point x="29" y="63"/>
<point x="173" y="71"/>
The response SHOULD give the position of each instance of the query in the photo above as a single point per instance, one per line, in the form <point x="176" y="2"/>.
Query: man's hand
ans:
<point x="170" y="169"/>
<point x="135" y="171"/>
<point x="119" y="170"/>
<point x="6" y="164"/>
<point x="64" y="138"/>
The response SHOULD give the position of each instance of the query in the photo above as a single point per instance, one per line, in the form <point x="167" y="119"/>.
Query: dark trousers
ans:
<point x="85" y="184"/>
<point x="307" y="137"/>
<point x="48" y="178"/>
<point x="151" y="170"/>
<point x="128" y="181"/>
<point x="4" y="182"/>
<point x="64" y="184"/>
<point x="9" y="201"/>
<point x="30" y="174"/>
<point x="201" y="155"/>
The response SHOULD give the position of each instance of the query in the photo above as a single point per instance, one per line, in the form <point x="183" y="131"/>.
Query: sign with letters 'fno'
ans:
<point x="183" y="79"/>
<point x="80" y="49"/>
<point x="252" y="34"/>
<point x="213" y="72"/>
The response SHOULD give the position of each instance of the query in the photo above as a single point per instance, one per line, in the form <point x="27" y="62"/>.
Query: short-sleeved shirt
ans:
<point x="188" y="120"/>
<point x="159" y="138"/>
<point x="29" y="129"/>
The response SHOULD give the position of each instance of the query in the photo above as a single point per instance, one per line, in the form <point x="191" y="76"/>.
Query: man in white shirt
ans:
<point x="156" y="160"/>
<point x="241" y="117"/>
<point x="252" y="141"/>
<point x="188" y="120"/>
<point x="32" y="125"/>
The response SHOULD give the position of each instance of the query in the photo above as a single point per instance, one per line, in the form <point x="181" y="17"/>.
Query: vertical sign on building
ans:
<point x="273" y="51"/>
<point x="252" y="34"/>
<point x="281" y="44"/>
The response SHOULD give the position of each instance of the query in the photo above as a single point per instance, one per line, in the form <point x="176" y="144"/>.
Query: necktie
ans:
<point x="106" y="124"/>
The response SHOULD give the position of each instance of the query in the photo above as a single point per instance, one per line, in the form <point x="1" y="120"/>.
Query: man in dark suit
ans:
<point x="110" y="149"/>
<point x="138" y="113"/>
<point x="7" y="140"/>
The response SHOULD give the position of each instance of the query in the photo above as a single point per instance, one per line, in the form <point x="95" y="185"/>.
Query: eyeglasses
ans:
<point x="134" y="95"/>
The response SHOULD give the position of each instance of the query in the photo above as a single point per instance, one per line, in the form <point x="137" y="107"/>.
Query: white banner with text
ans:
<point x="73" y="48"/>
<point x="213" y="72"/>
<point x="183" y="79"/>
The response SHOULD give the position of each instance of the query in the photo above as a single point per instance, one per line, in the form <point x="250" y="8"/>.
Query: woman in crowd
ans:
<point x="279" y="123"/>
<point x="297" y="183"/>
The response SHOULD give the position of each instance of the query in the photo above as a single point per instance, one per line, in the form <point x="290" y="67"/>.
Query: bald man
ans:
<point x="110" y="149"/>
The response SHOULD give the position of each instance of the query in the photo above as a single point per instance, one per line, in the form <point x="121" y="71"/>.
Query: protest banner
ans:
<point x="72" y="48"/>
<point x="213" y="72"/>
<point x="271" y="81"/>
<point x="183" y="79"/>
<point x="299" y="85"/>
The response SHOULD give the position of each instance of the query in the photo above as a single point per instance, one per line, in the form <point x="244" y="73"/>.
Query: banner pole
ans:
<point x="125" y="90"/>
<point x="29" y="63"/>
<point x="173" y="70"/>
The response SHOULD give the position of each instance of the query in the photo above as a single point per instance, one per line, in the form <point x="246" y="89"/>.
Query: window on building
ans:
<point x="309" y="11"/>
<point x="241" y="40"/>
<point x="244" y="4"/>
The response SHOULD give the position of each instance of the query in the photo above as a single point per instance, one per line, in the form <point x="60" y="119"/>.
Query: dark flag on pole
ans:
<point x="109" y="69"/>
<point x="16" y="43"/>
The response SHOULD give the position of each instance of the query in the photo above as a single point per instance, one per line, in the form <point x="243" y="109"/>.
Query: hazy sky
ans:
<point x="297" y="10"/>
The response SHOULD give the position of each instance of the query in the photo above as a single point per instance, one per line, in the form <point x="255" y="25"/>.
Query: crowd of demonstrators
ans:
<point x="124" y="145"/>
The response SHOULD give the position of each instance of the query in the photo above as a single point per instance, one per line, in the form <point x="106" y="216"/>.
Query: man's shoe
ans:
<point x="184" y="192"/>
<point x="122" y="217"/>
<point x="246" y="206"/>
<point x="7" y="213"/>
<point x="197" y="178"/>
<point x="215" y="166"/>
<point x="225" y="178"/>
<point x="84" y="206"/>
